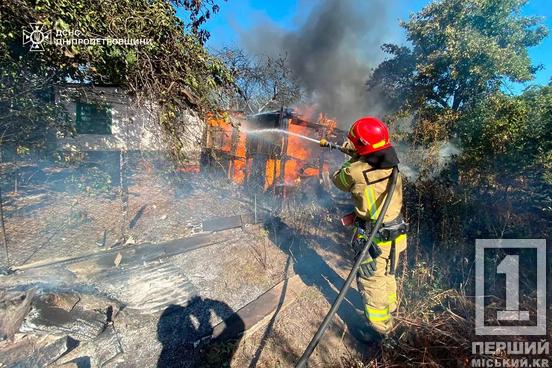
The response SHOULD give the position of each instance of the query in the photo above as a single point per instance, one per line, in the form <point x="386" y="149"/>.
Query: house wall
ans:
<point x="134" y="127"/>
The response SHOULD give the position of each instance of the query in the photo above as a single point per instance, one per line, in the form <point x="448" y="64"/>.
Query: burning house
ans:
<point x="276" y="160"/>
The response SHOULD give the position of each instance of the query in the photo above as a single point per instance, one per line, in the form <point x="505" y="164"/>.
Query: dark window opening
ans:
<point x="93" y="119"/>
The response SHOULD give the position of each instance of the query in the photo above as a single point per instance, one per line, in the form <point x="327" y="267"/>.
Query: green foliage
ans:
<point x="516" y="130"/>
<point x="27" y="109"/>
<point x="174" y="69"/>
<point x="394" y="76"/>
<point x="449" y="82"/>
<point x="500" y="185"/>
<point x="461" y="50"/>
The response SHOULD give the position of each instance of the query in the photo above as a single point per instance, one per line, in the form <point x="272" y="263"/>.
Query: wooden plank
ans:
<point x="33" y="351"/>
<point x="141" y="252"/>
<point x="14" y="306"/>
<point x="259" y="312"/>
<point x="231" y="222"/>
<point x="222" y="223"/>
<point x="178" y="246"/>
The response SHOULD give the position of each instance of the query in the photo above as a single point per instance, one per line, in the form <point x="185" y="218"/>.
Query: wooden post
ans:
<point x="124" y="192"/>
<point x="4" y="238"/>
<point x="283" y="124"/>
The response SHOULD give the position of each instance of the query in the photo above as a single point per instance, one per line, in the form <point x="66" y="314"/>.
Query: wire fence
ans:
<point x="52" y="211"/>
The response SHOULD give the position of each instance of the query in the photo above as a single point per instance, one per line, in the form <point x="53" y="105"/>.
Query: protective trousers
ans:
<point x="379" y="292"/>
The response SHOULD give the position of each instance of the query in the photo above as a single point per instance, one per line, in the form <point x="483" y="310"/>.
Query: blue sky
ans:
<point x="238" y="16"/>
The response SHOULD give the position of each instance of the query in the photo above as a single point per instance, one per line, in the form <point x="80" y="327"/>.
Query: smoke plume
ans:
<point x="331" y="54"/>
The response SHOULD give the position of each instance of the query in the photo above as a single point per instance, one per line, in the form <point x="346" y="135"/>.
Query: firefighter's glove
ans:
<point x="375" y="251"/>
<point x="349" y="148"/>
<point x="368" y="266"/>
<point x="359" y="239"/>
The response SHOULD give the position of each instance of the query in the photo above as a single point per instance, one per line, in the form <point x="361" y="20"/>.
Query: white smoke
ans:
<point x="429" y="161"/>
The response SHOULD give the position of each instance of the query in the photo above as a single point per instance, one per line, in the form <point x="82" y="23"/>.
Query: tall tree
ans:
<point x="461" y="50"/>
<point x="262" y="82"/>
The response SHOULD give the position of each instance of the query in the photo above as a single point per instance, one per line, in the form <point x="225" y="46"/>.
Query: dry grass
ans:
<point x="435" y="326"/>
<point x="432" y="332"/>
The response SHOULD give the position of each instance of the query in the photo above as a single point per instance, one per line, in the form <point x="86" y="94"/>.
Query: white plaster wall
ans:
<point x="134" y="126"/>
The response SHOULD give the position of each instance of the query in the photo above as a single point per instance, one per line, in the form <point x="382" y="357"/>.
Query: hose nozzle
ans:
<point x="331" y="145"/>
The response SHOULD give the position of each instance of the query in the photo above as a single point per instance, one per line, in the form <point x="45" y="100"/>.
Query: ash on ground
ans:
<point x="99" y="281"/>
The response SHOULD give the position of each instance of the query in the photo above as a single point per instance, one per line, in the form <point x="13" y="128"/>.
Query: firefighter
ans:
<point x="365" y="176"/>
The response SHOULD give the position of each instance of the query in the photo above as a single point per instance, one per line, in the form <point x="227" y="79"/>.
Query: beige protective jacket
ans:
<point x="368" y="186"/>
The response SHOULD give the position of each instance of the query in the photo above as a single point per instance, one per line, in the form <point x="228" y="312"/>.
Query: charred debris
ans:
<point x="72" y="308"/>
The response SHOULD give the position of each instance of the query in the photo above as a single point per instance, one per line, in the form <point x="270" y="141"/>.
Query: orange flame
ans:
<point x="297" y="152"/>
<point x="272" y="173"/>
<point x="240" y="161"/>
<point x="328" y="123"/>
<point x="299" y="162"/>
<point x="221" y="133"/>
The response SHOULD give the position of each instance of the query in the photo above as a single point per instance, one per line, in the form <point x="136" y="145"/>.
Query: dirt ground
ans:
<point x="281" y="341"/>
<point x="46" y="224"/>
<point x="220" y="279"/>
<point x="226" y="276"/>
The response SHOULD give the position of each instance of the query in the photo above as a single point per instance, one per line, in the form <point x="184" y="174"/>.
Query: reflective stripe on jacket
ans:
<point x="367" y="186"/>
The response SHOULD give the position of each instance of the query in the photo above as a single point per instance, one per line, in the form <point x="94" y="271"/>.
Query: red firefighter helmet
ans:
<point x="369" y="134"/>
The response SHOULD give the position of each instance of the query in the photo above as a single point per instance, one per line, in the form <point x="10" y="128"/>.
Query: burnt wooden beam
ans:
<point x="259" y="312"/>
<point x="232" y="222"/>
<point x="136" y="253"/>
<point x="14" y="306"/>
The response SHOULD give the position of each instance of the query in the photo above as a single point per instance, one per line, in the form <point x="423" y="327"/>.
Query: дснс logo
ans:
<point x="36" y="36"/>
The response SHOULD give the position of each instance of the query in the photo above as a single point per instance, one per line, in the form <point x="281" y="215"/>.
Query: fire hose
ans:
<point x="352" y="275"/>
